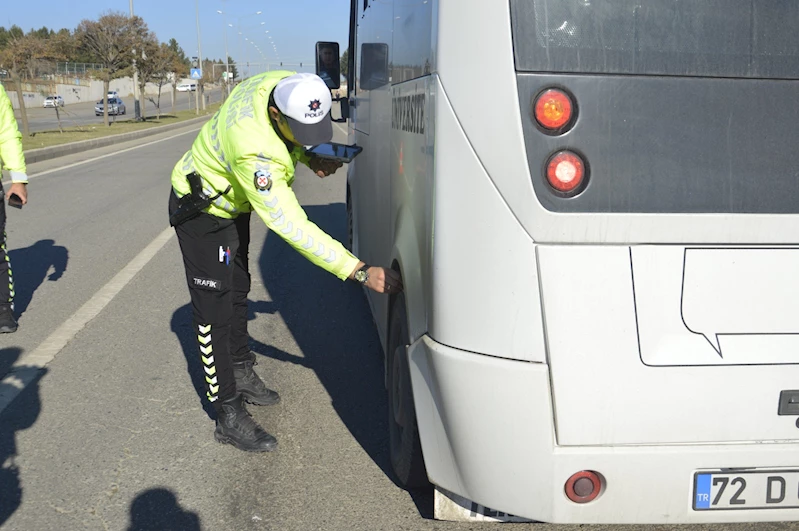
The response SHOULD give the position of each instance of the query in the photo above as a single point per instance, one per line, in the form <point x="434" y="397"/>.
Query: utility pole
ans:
<point x="227" y="67"/>
<point x="136" y="108"/>
<point x="200" y="87"/>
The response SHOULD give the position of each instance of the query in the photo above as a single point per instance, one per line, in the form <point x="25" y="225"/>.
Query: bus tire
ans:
<point x="405" y="446"/>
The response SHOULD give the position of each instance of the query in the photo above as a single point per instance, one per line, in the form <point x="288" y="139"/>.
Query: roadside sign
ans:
<point x="196" y="73"/>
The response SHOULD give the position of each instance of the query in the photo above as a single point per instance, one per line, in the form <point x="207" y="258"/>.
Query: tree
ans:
<point x="62" y="46"/>
<point x="147" y="62"/>
<point x="110" y="41"/>
<point x="178" y="51"/>
<point x="157" y="69"/>
<point x="179" y="69"/>
<point x="234" y="73"/>
<point x="7" y="34"/>
<point x="345" y="63"/>
<point x="18" y="56"/>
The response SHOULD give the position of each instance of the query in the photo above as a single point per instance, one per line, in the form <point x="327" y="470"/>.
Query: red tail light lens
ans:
<point x="553" y="110"/>
<point x="566" y="172"/>
<point x="583" y="487"/>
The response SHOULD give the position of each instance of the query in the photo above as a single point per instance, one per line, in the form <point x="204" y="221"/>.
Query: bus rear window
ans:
<point x="706" y="38"/>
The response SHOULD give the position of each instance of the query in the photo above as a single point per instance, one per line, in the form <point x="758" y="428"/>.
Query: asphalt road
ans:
<point x="41" y="119"/>
<point x="114" y="435"/>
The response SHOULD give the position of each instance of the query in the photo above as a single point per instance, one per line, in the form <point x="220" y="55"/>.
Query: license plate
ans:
<point x="756" y="489"/>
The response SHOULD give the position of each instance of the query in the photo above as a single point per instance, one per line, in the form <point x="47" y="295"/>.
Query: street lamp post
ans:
<point x="136" y="108"/>
<point x="200" y="91"/>
<point x="227" y="67"/>
<point x="238" y="25"/>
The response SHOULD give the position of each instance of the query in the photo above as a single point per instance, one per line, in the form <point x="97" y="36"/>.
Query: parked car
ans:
<point x="187" y="87"/>
<point x="53" y="101"/>
<point x="115" y="106"/>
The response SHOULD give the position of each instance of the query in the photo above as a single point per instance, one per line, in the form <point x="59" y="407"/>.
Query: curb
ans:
<point x="42" y="154"/>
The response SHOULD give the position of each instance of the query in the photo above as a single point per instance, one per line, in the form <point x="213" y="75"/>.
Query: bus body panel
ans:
<point x="487" y="434"/>
<point x="605" y="394"/>
<point x="491" y="69"/>
<point x="484" y="447"/>
<point x="412" y="191"/>
<point x="504" y="403"/>
<point x="370" y="184"/>
<point x="484" y="294"/>
<point x="391" y="184"/>
<point x="671" y="145"/>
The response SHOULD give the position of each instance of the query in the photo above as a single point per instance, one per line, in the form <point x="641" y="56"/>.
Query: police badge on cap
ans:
<point x="263" y="180"/>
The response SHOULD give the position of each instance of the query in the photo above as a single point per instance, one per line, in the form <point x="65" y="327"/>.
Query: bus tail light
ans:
<point x="583" y="487"/>
<point x="566" y="173"/>
<point x="553" y="110"/>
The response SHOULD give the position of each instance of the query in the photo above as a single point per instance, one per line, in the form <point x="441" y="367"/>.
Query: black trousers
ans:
<point x="6" y="275"/>
<point x="215" y="255"/>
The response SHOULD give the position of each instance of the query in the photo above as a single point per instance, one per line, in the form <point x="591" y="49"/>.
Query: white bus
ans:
<point x="593" y="206"/>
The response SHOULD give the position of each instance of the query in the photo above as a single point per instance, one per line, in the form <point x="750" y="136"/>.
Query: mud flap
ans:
<point x="451" y="507"/>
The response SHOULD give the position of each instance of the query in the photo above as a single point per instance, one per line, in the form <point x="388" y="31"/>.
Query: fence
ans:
<point x="80" y="69"/>
<point x="49" y="70"/>
<point x="246" y="69"/>
<point x="73" y="90"/>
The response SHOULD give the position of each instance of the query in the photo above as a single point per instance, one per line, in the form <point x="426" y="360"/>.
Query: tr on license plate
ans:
<point x="756" y="489"/>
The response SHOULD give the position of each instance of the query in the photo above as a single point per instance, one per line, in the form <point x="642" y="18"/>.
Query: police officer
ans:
<point x="12" y="159"/>
<point x="243" y="160"/>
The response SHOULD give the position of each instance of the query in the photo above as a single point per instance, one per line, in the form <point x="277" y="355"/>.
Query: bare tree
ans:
<point x="157" y="69"/>
<point x="18" y="57"/>
<point x="146" y="63"/>
<point x="110" y="41"/>
<point x="180" y="69"/>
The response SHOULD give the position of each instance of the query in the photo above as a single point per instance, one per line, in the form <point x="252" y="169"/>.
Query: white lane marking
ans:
<point x="28" y="367"/>
<point x="114" y="154"/>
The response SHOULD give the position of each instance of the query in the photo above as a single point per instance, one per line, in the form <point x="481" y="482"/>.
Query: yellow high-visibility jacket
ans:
<point x="239" y="148"/>
<point x="11" y="156"/>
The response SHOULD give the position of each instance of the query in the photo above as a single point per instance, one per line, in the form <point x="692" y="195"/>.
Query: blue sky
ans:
<point x="295" y="25"/>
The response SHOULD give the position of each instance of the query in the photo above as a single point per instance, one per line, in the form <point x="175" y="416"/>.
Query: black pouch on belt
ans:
<point x="193" y="203"/>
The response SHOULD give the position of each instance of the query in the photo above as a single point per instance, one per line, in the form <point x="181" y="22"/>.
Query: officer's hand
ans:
<point x="384" y="280"/>
<point x="323" y="167"/>
<point x="19" y="189"/>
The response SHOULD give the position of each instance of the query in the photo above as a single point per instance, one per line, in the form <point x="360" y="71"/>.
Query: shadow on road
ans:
<point x="333" y="326"/>
<point x="20" y="415"/>
<point x="31" y="265"/>
<point x="158" y="509"/>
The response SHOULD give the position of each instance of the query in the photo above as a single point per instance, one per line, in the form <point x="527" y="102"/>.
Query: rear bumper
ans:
<point x="488" y="435"/>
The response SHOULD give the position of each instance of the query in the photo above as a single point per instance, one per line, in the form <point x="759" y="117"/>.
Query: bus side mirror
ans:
<point x="328" y="64"/>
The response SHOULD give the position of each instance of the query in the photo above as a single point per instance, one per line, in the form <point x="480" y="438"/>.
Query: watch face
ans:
<point x="361" y="276"/>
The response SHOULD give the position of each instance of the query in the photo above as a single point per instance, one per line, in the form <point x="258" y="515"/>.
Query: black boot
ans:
<point x="250" y="385"/>
<point x="7" y="321"/>
<point x="235" y="426"/>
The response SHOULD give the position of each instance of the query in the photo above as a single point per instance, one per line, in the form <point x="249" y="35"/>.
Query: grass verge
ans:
<point x="43" y="139"/>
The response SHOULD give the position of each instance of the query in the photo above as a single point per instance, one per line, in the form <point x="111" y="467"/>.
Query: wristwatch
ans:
<point x="362" y="275"/>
